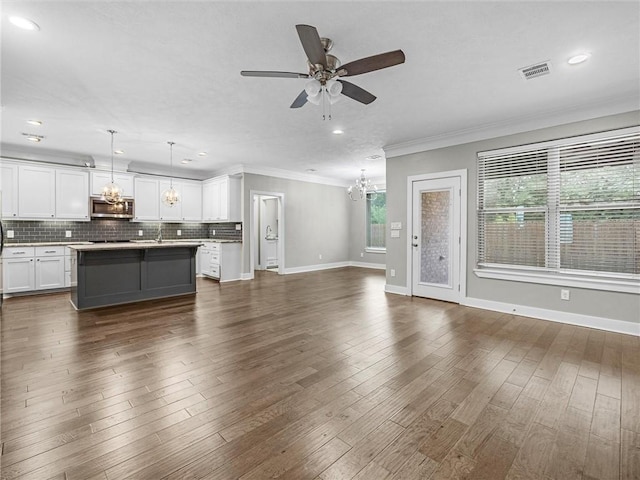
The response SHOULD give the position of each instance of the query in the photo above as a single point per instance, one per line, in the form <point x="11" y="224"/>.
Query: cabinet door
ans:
<point x="100" y="179"/>
<point x="9" y="189"/>
<point x="36" y="192"/>
<point x="191" y="202"/>
<point x="18" y="275"/>
<point x="147" y="199"/>
<point x="168" y="213"/>
<point x="205" y="261"/>
<point x="207" y="201"/>
<point x="223" y="202"/>
<point x="49" y="272"/>
<point x="72" y="195"/>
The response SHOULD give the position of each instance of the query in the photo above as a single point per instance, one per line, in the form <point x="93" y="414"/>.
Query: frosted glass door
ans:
<point x="435" y="238"/>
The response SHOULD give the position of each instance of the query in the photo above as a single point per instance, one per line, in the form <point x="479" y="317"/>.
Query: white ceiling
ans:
<point x="157" y="71"/>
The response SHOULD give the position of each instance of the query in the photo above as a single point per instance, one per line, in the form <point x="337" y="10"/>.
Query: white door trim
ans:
<point x="462" y="174"/>
<point x="253" y="195"/>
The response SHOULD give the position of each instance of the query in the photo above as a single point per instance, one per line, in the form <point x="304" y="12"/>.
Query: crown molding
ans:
<point x="611" y="106"/>
<point x="280" y="173"/>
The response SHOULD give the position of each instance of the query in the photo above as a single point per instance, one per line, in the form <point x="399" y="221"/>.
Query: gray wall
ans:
<point x="316" y="219"/>
<point x="618" y="306"/>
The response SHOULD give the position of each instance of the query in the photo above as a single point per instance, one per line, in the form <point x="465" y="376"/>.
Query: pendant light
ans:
<point x="170" y="196"/>
<point x="111" y="192"/>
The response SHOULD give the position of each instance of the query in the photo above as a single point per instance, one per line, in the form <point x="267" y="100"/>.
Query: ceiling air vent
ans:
<point x="538" y="70"/>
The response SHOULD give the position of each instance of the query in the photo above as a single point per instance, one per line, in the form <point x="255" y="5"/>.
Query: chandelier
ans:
<point x="362" y="186"/>
<point x="111" y="192"/>
<point x="170" y="196"/>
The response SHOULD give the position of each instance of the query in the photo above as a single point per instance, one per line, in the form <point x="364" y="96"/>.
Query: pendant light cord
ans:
<point x="171" y="144"/>
<point x="112" y="132"/>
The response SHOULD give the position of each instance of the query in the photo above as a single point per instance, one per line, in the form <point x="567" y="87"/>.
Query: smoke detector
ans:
<point x="539" y="69"/>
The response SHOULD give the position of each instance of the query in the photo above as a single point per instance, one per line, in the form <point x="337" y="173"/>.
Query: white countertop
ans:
<point x="139" y="245"/>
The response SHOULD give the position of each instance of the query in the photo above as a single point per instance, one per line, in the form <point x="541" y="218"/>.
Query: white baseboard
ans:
<point x="315" y="268"/>
<point x="582" y="320"/>
<point x="396" y="289"/>
<point x="376" y="266"/>
<point x="246" y="276"/>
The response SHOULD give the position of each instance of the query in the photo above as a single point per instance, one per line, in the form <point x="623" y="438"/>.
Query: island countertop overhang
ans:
<point x="144" y="245"/>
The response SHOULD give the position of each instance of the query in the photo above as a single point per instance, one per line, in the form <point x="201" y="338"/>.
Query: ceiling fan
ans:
<point x="326" y="72"/>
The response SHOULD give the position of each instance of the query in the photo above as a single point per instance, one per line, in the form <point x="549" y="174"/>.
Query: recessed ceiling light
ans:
<point x="24" y="23"/>
<point x="35" y="123"/>
<point x="579" y="58"/>
<point x="202" y="154"/>
<point x="337" y="131"/>
<point x="32" y="137"/>
<point x="186" y="160"/>
<point x="118" y="152"/>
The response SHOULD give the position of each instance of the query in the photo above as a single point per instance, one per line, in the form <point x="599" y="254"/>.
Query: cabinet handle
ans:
<point x="49" y="251"/>
<point x="18" y="253"/>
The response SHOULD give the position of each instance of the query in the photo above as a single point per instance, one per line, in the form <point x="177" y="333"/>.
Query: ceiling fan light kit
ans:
<point x="325" y="71"/>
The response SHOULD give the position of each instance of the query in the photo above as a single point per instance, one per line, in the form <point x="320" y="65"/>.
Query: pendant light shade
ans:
<point x="170" y="197"/>
<point x="112" y="192"/>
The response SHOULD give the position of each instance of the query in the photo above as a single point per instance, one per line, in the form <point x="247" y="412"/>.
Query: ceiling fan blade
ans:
<point x="376" y="62"/>
<point x="357" y="93"/>
<point x="258" y="73"/>
<point x="300" y="100"/>
<point x="311" y="43"/>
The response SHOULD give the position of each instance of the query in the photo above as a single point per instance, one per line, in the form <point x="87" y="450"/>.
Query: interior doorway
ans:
<point x="267" y="236"/>
<point x="436" y="260"/>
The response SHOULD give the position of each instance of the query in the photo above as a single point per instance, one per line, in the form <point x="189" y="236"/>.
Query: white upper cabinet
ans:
<point x="100" y="179"/>
<point x="9" y="188"/>
<point x="221" y="199"/>
<point x="147" y="206"/>
<point x="72" y="194"/>
<point x="36" y="192"/>
<point x="191" y="200"/>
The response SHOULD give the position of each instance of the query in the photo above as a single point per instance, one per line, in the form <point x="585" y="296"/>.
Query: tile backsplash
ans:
<point x="109" y="229"/>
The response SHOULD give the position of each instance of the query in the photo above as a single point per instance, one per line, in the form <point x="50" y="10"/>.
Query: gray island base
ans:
<point x="113" y="274"/>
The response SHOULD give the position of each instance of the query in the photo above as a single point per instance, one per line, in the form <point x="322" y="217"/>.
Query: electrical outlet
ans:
<point x="213" y="233"/>
<point x="319" y="256"/>
<point x="67" y="233"/>
<point x="179" y="233"/>
<point x="565" y="294"/>
<point x="140" y="233"/>
<point x="361" y="254"/>
<point x="238" y="226"/>
<point x="393" y="272"/>
<point x="9" y="233"/>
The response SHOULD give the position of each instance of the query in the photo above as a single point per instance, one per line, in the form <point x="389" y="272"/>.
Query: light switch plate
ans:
<point x="179" y="233"/>
<point x="140" y="233"/>
<point x="238" y="226"/>
<point x="396" y="225"/>
<point x="67" y="233"/>
<point x="395" y="233"/>
<point x="9" y="233"/>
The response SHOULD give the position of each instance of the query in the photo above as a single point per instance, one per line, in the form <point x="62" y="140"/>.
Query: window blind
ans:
<point x="568" y="205"/>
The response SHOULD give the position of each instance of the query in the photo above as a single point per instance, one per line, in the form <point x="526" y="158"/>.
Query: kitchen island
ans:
<point x="117" y="273"/>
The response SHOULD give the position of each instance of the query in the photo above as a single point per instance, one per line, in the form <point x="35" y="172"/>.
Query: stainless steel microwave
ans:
<point x="100" y="208"/>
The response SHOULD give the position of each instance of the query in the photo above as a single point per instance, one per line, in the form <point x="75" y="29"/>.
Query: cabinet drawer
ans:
<point x="215" y="270"/>
<point x="215" y="258"/>
<point x="215" y="247"/>
<point x="18" y="252"/>
<point x="50" y="251"/>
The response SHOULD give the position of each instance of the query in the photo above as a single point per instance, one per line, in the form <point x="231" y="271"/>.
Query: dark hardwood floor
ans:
<point x="312" y="376"/>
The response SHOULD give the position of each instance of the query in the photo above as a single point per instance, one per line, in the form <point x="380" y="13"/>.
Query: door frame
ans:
<point x="254" y="196"/>
<point x="462" y="274"/>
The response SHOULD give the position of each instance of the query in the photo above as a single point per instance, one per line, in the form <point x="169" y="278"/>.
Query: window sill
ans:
<point x="611" y="284"/>
<point x="375" y="250"/>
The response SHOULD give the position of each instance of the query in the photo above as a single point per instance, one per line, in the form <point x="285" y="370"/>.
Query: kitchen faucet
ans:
<point x="159" y="237"/>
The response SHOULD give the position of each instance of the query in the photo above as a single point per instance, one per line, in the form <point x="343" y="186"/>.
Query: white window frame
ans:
<point x="367" y="248"/>
<point x="615" y="282"/>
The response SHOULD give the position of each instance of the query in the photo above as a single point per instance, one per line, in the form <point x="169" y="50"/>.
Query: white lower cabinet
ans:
<point x="33" y="268"/>
<point x="221" y="260"/>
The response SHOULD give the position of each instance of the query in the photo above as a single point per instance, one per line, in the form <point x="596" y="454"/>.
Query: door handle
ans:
<point x="414" y="244"/>
<point x="441" y="258"/>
